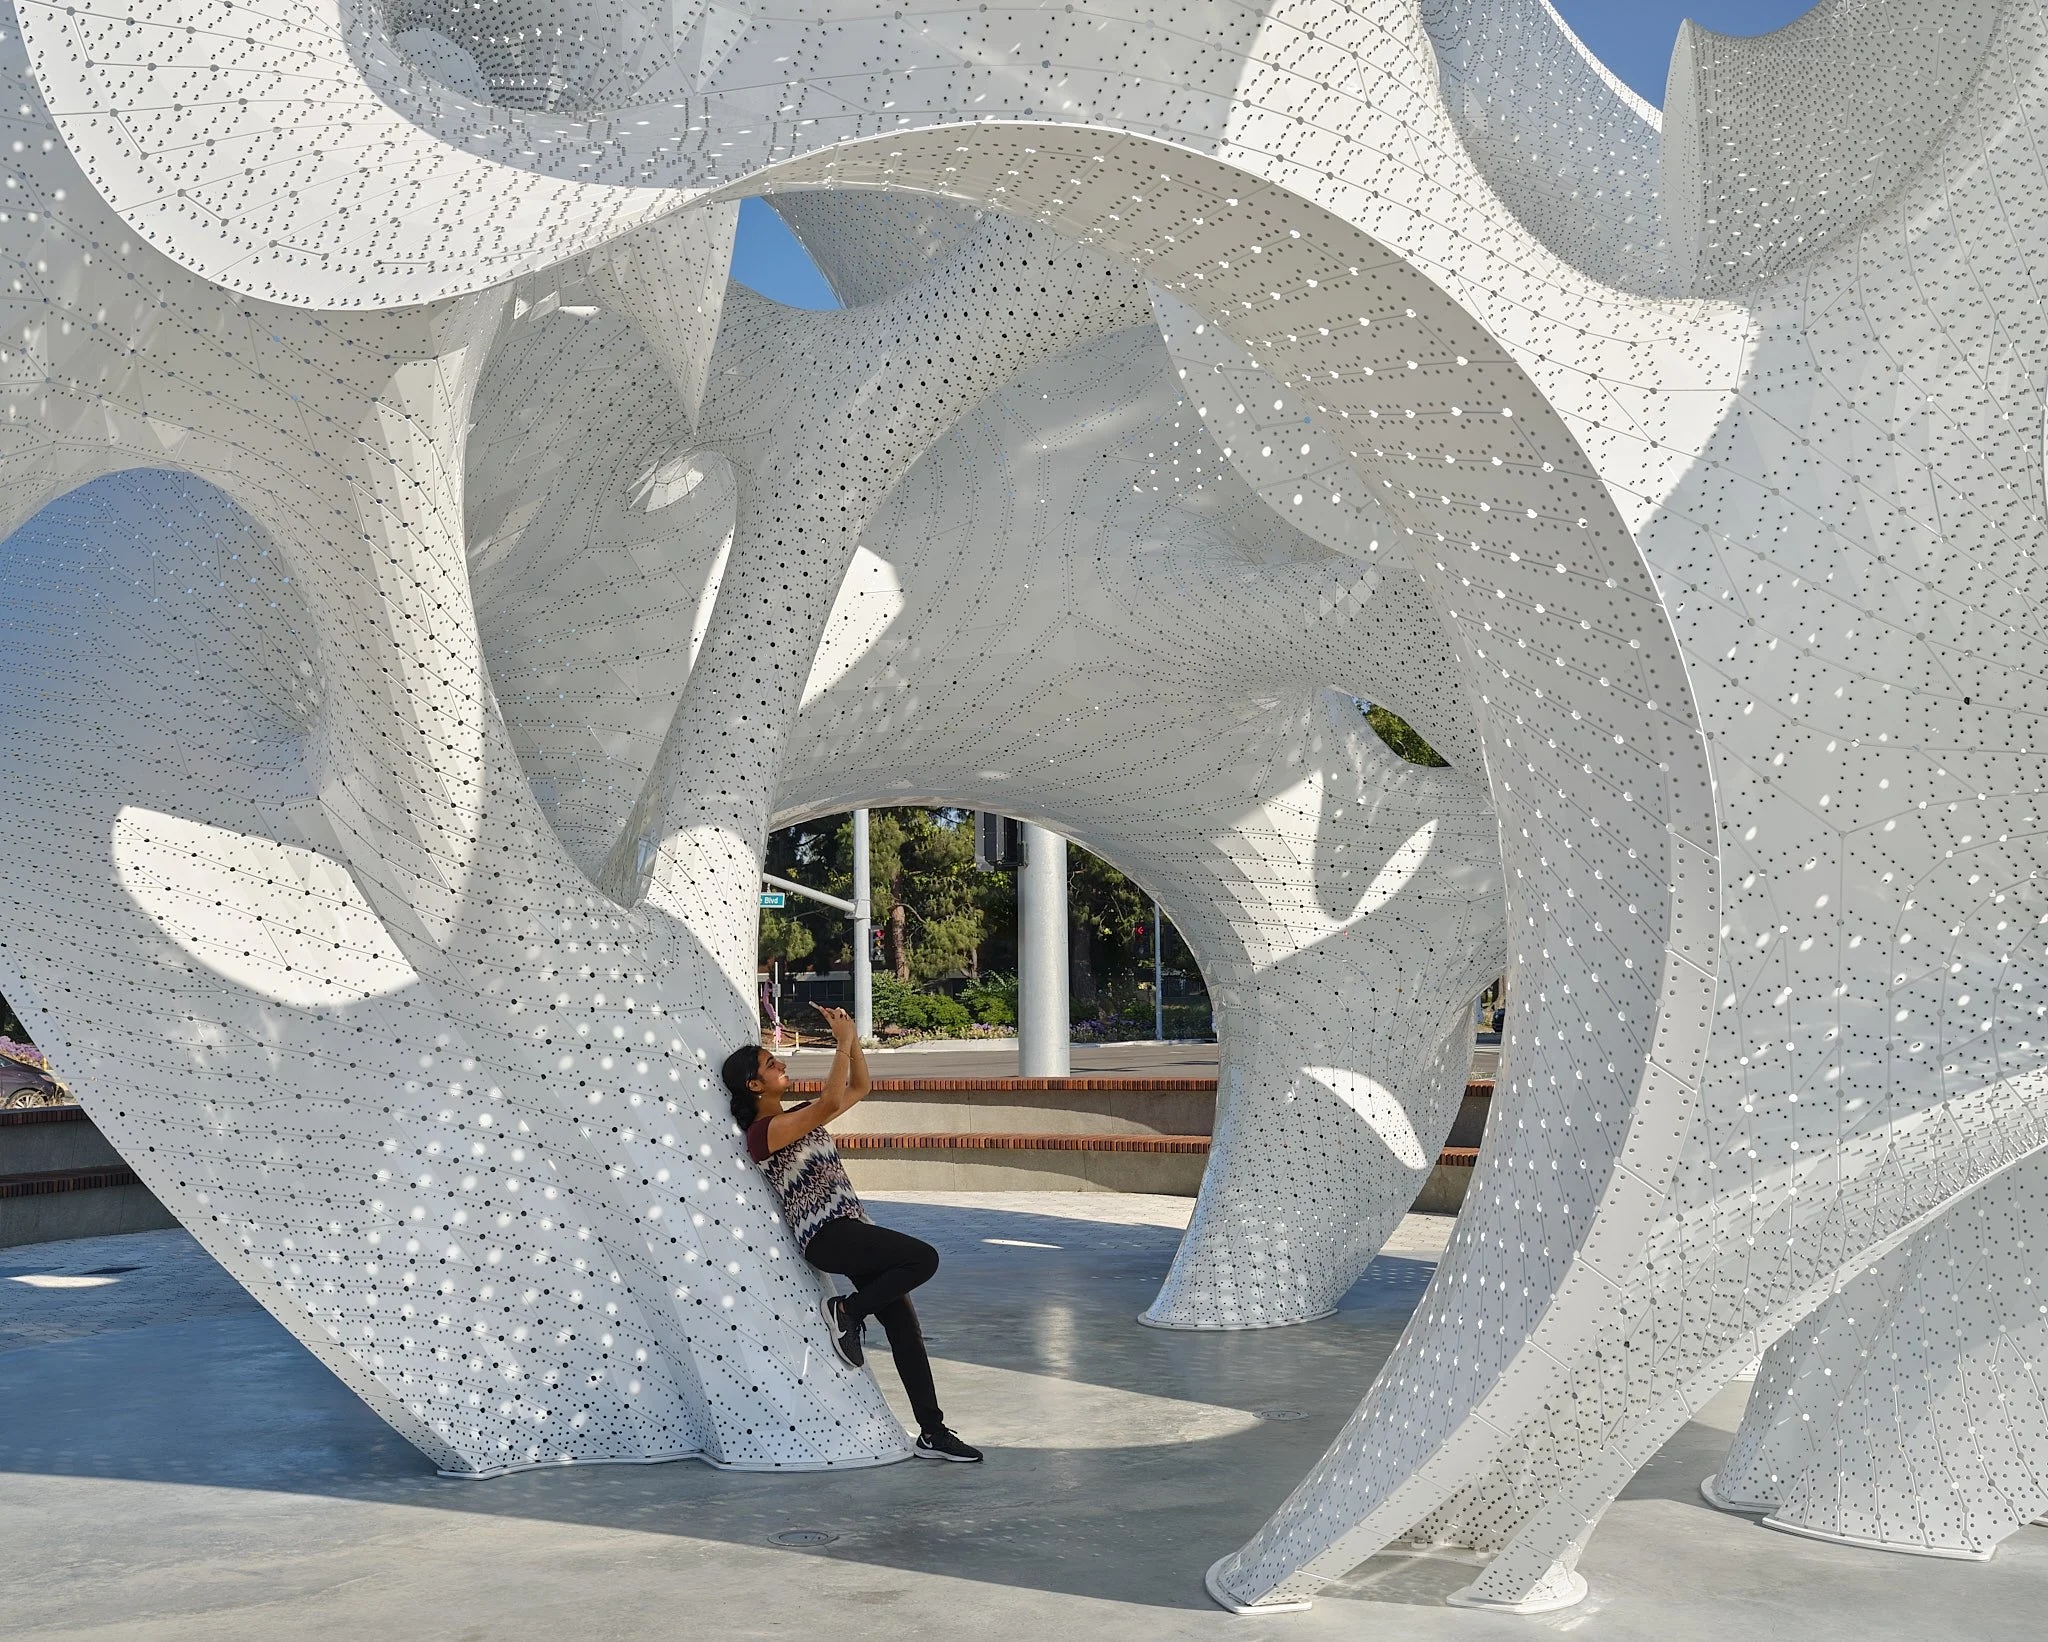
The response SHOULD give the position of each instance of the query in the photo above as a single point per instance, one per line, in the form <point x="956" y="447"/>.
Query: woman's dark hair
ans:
<point x="743" y="1064"/>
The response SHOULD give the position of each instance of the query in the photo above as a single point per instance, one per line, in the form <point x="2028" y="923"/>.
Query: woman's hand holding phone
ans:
<point x="839" y="1021"/>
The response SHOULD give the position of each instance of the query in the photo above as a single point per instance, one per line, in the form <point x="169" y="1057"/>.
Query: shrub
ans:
<point x="991" y="999"/>
<point x="897" y="1004"/>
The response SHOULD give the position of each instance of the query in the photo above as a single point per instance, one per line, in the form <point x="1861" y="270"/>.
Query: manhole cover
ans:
<point x="802" y="1536"/>
<point x="1278" y="1414"/>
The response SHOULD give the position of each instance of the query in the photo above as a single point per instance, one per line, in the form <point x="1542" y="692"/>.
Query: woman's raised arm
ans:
<point x="840" y="1092"/>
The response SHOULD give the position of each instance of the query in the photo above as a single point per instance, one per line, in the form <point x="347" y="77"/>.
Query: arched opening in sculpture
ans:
<point x="1475" y="521"/>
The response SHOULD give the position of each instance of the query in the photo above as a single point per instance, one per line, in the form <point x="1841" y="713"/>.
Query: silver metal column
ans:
<point x="1043" y="1029"/>
<point x="863" y="938"/>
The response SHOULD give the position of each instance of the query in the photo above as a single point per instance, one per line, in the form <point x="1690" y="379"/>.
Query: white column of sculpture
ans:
<point x="1907" y="1413"/>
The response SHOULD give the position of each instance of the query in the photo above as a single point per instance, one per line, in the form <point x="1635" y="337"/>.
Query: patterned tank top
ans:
<point x="808" y="1177"/>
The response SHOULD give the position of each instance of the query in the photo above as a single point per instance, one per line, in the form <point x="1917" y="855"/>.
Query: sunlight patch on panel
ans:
<point x="285" y="923"/>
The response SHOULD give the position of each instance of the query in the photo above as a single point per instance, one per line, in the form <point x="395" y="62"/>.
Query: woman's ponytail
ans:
<point x="741" y="1067"/>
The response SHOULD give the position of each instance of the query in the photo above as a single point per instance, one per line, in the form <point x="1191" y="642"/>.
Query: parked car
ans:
<point x="26" y="1078"/>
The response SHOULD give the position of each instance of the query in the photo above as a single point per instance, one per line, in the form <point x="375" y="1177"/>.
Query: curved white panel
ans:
<point x="274" y="919"/>
<point x="1375" y="1103"/>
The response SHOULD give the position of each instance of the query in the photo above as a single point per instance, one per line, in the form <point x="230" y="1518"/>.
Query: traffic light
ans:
<point x="998" y="841"/>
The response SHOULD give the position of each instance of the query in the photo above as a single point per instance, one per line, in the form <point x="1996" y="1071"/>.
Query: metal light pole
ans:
<point x="1043" y="1027"/>
<point x="863" y="922"/>
<point x="1158" y="982"/>
<point x="860" y="909"/>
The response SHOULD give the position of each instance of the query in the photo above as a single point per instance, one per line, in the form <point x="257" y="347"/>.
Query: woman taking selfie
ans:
<point x="830" y="1226"/>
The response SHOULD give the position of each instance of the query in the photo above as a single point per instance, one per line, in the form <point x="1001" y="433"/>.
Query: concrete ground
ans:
<point x="175" y="1466"/>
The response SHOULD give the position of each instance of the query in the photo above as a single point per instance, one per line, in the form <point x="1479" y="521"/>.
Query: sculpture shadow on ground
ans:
<point x="1120" y="1457"/>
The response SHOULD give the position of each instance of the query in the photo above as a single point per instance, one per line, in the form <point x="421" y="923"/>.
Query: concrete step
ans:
<point x="37" y="1138"/>
<point x="59" y="1178"/>
<point x="955" y="1104"/>
<point x="1168" y="1165"/>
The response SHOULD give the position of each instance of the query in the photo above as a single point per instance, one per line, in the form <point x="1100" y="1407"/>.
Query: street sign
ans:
<point x="771" y="897"/>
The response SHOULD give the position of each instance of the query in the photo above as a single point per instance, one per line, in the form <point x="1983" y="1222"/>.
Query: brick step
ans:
<point x="1021" y="1143"/>
<point x="807" y="1087"/>
<point x="45" y="1182"/>
<point x="22" y="1117"/>
<point x="1021" y="1086"/>
<point x="1452" y="1157"/>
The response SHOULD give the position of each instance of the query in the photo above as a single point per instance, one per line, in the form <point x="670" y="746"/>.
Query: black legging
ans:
<point x="885" y="1266"/>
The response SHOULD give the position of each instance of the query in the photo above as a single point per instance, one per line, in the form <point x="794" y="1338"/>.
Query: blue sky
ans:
<point x="1632" y="37"/>
<point x="768" y="257"/>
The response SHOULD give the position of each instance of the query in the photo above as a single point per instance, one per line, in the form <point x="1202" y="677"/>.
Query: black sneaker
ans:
<point x="939" y="1443"/>
<point x="846" y="1335"/>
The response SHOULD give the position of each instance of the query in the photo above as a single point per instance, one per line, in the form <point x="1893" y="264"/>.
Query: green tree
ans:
<point x="1106" y="911"/>
<point x="924" y="888"/>
<point x="784" y="938"/>
<point x="928" y="900"/>
<point x="1400" y="736"/>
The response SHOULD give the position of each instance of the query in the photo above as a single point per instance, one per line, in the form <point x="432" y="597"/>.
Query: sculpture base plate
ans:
<point x="1948" y="1553"/>
<point x="1150" y="1321"/>
<point x="1710" y="1492"/>
<point x="1230" y="1604"/>
<point x="1571" y="1596"/>
<point x="696" y="1454"/>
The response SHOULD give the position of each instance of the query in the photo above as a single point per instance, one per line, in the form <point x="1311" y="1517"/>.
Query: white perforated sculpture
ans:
<point x="422" y="725"/>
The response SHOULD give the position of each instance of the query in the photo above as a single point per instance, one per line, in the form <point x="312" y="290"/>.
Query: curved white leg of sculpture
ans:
<point x="1273" y="1242"/>
<point x="1352" y="1053"/>
<point x="1868" y="971"/>
<point x="430" y="1085"/>
<point x="457" y="1136"/>
<point x="1933" y="1437"/>
<point x="1794" y="1382"/>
